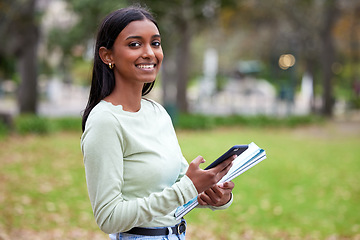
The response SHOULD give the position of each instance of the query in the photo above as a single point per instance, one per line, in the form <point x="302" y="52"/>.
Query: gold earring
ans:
<point x="111" y="66"/>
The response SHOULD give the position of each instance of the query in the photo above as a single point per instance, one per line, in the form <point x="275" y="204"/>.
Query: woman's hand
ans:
<point x="204" y="179"/>
<point x="217" y="195"/>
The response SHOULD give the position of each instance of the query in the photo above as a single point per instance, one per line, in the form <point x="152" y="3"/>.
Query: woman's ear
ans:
<point x="106" y="55"/>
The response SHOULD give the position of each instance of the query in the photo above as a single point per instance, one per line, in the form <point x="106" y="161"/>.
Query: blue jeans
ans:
<point x="127" y="236"/>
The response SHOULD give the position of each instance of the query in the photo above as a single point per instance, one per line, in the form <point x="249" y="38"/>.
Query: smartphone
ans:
<point x="235" y="150"/>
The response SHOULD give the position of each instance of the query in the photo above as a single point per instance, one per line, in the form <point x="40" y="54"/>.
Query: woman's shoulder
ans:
<point x="153" y="105"/>
<point x="101" y="122"/>
<point x="101" y="113"/>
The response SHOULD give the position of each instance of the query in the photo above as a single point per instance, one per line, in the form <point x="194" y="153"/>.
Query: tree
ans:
<point x="347" y="36"/>
<point x="305" y="28"/>
<point x="89" y="14"/>
<point x="313" y="23"/>
<point x="20" y="26"/>
<point x="328" y="54"/>
<point x="179" y="21"/>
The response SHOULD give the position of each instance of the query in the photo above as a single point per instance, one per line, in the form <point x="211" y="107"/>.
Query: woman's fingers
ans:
<point x="227" y="185"/>
<point x="204" y="179"/>
<point x="223" y="168"/>
<point x="225" y="165"/>
<point x="208" y="197"/>
<point x="198" y="160"/>
<point x="217" y="195"/>
<point x="214" y="195"/>
<point x="197" y="176"/>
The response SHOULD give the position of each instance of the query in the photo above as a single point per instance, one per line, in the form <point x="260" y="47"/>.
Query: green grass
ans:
<point x="43" y="183"/>
<point x="308" y="187"/>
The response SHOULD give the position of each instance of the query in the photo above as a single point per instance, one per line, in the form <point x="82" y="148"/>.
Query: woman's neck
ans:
<point x="129" y="99"/>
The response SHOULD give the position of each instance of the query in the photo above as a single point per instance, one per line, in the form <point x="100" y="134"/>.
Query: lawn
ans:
<point x="307" y="188"/>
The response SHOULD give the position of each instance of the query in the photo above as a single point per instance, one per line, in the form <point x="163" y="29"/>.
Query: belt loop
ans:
<point x="170" y="230"/>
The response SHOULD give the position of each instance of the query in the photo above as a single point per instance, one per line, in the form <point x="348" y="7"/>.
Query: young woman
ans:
<point x="135" y="171"/>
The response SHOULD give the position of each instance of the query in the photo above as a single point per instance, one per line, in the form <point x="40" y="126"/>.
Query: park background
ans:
<point x="284" y="74"/>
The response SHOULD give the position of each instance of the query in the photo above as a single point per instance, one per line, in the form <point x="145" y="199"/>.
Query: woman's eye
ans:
<point x="156" y="44"/>
<point x="134" y="44"/>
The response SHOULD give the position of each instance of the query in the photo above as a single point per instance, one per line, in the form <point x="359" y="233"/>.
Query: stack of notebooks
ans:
<point x="249" y="156"/>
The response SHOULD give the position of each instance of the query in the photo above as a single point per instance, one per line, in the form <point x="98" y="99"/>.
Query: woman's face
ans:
<point x="137" y="53"/>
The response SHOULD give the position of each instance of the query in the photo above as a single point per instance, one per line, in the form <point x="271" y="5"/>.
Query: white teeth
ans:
<point x="146" y="66"/>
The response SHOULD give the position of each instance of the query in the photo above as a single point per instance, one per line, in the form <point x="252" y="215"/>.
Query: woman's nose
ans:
<point x="148" y="52"/>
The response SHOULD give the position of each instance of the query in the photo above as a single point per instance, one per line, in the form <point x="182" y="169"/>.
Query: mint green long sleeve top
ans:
<point x="135" y="170"/>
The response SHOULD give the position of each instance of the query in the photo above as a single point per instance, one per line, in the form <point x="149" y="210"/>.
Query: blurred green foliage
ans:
<point x="3" y="130"/>
<point x="34" y="124"/>
<point x="25" y="124"/>
<point x="67" y="124"/>
<point x="198" y="121"/>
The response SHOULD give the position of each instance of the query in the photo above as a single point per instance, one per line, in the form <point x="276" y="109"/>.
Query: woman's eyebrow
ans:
<point x="130" y="37"/>
<point x="139" y="37"/>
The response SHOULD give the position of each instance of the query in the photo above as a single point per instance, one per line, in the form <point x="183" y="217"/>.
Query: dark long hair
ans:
<point x="103" y="79"/>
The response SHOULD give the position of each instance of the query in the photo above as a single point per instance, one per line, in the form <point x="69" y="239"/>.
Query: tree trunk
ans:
<point x="27" y="30"/>
<point x="27" y="67"/>
<point x="328" y="56"/>
<point x="182" y="65"/>
<point x="184" y="28"/>
<point x="22" y="35"/>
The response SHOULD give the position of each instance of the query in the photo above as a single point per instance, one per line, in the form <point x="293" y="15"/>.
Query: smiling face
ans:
<point x="137" y="53"/>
